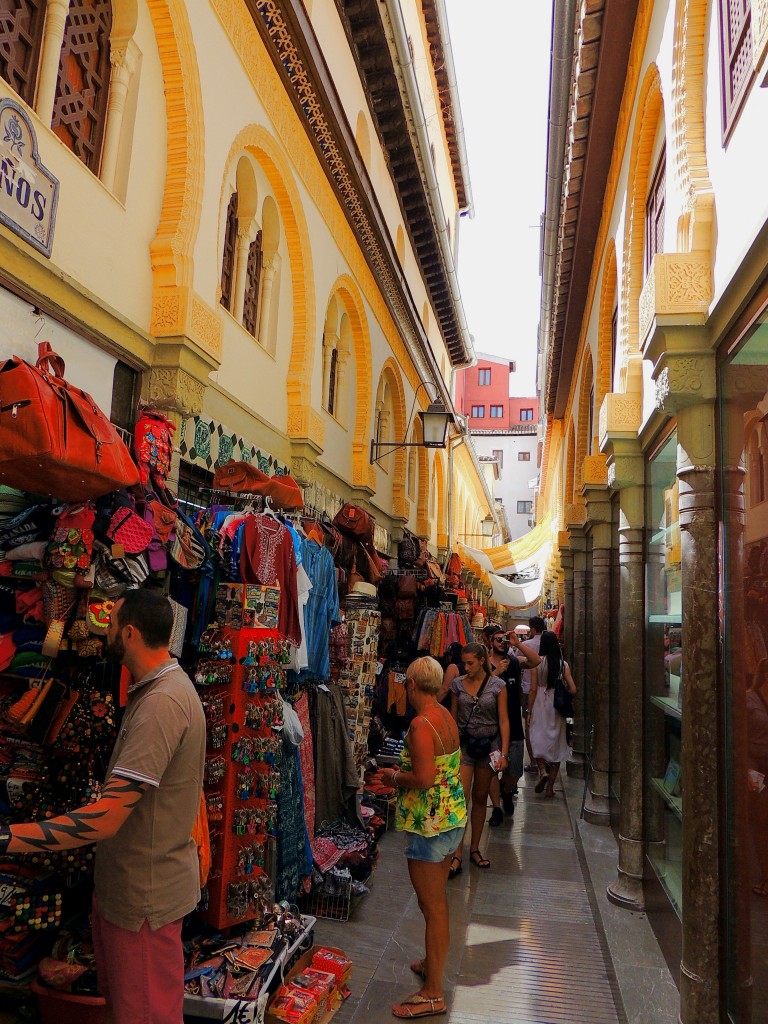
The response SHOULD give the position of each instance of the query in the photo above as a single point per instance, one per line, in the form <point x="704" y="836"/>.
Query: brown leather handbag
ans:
<point x="355" y="522"/>
<point x="54" y="439"/>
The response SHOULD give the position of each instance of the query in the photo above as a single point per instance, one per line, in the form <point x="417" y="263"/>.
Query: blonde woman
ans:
<point x="431" y="808"/>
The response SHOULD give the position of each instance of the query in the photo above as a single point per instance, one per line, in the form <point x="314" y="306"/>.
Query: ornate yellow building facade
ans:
<point x="652" y="359"/>
<point x="255" y="231"/>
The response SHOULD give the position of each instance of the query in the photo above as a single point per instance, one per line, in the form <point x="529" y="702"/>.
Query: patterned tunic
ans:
<point x="428" y="812"/>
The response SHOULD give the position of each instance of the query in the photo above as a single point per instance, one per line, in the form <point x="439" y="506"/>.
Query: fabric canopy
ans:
<point x="516" y="595"/>
<point x="517" y="556"/>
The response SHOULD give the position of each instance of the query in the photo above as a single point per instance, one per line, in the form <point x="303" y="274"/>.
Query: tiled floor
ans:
<point x="525" y="946"/>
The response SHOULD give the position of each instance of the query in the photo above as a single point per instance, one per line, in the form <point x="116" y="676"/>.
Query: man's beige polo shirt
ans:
<point x="149" y="870"/>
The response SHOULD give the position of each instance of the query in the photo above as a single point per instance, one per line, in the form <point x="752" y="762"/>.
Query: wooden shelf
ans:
<point x="675" y="803"/>
<point x="668" y="705"/>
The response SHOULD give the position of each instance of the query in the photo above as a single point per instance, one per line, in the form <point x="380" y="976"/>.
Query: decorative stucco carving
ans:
<point x="595" y="470"/>
<point x="759" y="32"/>
<point x="206" y="327"/>
<point x="303" y="471"/>
<point x="575" y="514"/>
<point x="677" y="284"/>
<point x="621" y="415"/>
<point x="683" y="381"/>
<point x="172" y="389"/>
<point x="662" y="388"/>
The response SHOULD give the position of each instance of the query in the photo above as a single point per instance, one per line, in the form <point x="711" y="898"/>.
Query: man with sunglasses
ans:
<point x="506" y="666"/>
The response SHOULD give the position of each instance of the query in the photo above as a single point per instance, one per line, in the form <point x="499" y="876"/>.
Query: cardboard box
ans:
<point x="335" y="998"/>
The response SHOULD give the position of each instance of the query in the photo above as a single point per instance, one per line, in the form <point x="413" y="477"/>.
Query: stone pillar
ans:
<point x="566" y="561"/>
<point x="684" y="372"/>
<point x="620" y="420"/>
<point x="53" y="37"/>
<point x="244" y="226"/>
<point x="123" y="61"/>
<point x="597" y="805"/>
<point x="582" y="722"/>
<point x="270" y="265"/>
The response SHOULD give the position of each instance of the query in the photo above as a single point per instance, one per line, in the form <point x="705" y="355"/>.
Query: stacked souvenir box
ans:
<point x="357" y="679"/>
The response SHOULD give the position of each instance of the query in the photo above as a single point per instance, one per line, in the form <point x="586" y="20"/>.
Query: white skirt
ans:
<point x="547" y="729"/>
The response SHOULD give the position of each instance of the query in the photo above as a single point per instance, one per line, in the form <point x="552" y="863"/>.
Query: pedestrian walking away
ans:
<point x="546" y="724"/>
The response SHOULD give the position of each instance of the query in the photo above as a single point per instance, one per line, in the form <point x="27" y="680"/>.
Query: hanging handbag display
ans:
<point x="354" y="522"/>
<point x="54" y="439"/>
<point x="408" y="550"/>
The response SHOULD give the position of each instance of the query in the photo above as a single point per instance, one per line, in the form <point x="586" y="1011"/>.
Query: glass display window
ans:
<point x="664" y="673"/>
<point x="743" y="389"/>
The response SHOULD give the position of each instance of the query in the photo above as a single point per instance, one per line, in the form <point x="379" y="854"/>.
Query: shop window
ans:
<point x="82" y="89"/>
<point x="498" y="454"/>
<point x="736" y="66"/>
<point x="526" y="415"/>
<point x="743" y="585"/>
<point x="523" y="456"/>
<point x="654" y="210"/>
<point x="497" y="412"/>
<point x="252" y="285"/>
<point x="228" y="259"/>
<point x="664" y="673"/>
<point x="478" y="412"/>
<point x="524" y="507"/>
<point x="484" y="377"/>
<point x="125" y="386"/>
<point x="21" y="36"/>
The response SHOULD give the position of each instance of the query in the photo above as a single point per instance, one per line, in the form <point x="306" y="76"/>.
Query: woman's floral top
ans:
<point x="428" y="812"/>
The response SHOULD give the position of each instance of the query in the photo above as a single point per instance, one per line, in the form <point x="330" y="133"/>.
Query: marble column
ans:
<point x="627" y="889"/>
<point x="582" y="723"/>
<point x="620" y="418"/>
<point x="685" y="386"/>
<point x="597" y="804"/>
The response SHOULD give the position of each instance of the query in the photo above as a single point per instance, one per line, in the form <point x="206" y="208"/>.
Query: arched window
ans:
<point x="82" y="88"/>
<point x="228" y="259"/>
<point x="21" y="37"/>
<point x="252" y="285"/>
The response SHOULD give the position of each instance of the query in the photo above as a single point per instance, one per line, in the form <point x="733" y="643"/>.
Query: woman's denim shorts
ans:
<point x="433" y="849"/>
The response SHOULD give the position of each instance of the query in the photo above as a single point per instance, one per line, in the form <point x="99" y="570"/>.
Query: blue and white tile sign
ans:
<point x="28" y="191"/>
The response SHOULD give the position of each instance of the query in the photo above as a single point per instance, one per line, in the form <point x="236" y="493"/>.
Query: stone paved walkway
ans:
<point x="525" y="945"/>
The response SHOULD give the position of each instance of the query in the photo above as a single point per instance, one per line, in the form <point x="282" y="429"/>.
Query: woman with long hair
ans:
<point x="431" y="809"/>
<point x="479" y="706"/>
<point x="452" y="667"/>
<point x="546" y="725"/>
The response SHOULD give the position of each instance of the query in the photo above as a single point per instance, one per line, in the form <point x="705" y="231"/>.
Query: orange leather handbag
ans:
<point x="54" y="439"/>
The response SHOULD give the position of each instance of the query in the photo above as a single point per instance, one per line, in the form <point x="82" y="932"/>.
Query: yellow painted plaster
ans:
<point x="245" y="38"/>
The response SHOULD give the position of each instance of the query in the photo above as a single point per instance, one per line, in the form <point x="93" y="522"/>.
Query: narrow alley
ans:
<point x="528" y="943"/>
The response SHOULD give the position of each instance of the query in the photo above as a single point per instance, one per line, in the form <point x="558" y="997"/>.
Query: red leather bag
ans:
<point x="54" y="439"/>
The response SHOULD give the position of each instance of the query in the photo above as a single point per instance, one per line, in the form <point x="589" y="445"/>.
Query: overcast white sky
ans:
<point x="501" y="54"/>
